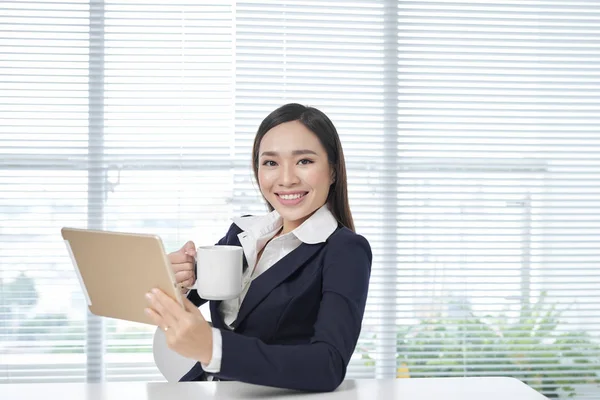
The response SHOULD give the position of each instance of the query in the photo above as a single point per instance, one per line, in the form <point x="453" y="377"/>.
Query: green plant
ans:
<point x="130" y="340"/>
<point x="529" y="347"/>
<point x="46" y="326"/>
<point x="17" y="298"/>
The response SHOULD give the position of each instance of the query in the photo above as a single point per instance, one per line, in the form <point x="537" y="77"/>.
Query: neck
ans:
<point x="288" y="226"/>
<point x="279" y="233"/>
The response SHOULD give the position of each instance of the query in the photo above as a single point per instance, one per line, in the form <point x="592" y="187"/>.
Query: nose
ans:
<point x="288" y="175"/>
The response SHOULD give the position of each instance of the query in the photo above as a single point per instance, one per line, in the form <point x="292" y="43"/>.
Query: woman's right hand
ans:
<point x="182" y="261"/>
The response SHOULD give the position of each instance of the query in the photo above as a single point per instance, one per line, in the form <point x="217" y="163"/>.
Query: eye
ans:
<point x="305" y="161"/>
<point x="269" y="163"/>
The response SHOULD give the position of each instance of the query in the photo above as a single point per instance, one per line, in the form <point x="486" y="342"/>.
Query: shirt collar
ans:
<point x="259" y="225"/>
<point x="318" y="227"/>
<point x="315" y="229"/>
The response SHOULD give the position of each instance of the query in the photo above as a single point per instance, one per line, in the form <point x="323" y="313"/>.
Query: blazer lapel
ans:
<point x="271" y="278"/>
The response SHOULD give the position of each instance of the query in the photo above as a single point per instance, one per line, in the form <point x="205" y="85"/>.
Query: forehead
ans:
<point x="290" y="136"/>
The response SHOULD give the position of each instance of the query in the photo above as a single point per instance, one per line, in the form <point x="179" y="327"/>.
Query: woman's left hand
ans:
<point x="186" y="330"/>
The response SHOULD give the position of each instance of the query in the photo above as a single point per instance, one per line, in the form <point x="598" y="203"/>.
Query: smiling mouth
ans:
<point x="294" y="196"/>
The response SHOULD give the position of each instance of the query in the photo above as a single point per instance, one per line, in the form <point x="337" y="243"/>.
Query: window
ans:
<point x="471" y="137"/>
<point x="117" y="116"/>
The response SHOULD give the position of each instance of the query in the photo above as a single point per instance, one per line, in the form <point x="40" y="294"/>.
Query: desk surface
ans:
<point x="401" y="389"/>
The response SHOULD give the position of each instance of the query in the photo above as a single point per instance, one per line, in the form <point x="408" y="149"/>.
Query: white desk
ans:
<point x="401" y="389"/>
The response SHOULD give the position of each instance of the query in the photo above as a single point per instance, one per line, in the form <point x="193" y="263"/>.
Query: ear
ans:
<point x="332" y="176"/>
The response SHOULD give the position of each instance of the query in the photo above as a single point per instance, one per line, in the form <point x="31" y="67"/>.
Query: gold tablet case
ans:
<point x="117" y="269"/>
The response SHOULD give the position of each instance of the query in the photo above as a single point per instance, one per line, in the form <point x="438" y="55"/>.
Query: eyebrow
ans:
<point x="294" y="153"/>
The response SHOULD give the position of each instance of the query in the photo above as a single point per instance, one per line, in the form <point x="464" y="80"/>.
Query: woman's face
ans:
<point x="294" y="174"/>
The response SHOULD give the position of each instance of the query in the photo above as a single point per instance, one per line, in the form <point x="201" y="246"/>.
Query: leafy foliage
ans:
<point x="529" y="347"/>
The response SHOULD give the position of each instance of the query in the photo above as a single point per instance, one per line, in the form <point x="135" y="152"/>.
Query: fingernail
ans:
<point x="149" y="296"/>
<point x="155" y="291"/>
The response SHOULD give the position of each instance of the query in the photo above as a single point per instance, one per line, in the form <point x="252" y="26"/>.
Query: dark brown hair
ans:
<point x="318" y="123"/>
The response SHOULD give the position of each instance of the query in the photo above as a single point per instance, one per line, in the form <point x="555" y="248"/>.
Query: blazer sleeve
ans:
<point x="193" y="295"/>
<point x="321" y="364"/>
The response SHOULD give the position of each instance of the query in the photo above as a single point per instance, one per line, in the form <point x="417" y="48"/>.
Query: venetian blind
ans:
<point x="498" y="235"/>
<point x="471" y="137"/>
<point x="114" y="115"/>
<point x="340" y="57"/>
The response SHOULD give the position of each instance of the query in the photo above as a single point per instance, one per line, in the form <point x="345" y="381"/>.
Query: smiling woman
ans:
<point x="297" y="320"/>
<point x="294" y="174"/>
<point x="299" y="164"/>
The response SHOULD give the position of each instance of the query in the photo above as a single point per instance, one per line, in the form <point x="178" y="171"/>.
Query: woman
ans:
<point x="297" y="323"/>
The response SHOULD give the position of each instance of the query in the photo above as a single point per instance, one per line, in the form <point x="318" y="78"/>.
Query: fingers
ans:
<point x="190" y="307"/>
<point x="167" y="308"/>
<point x="181" y="258"/>
<point x="184" y="275"/>
<point x="189" y="267"/>
<point x="156" y="318"/>
<point x="185" y="279"/>
<point x="170" y="304"/>
<point x="184" y="256"/>
<point x="187" y="284"/>
<point x="189" y="248"/>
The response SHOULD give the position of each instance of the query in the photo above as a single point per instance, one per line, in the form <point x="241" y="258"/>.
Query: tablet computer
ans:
<point x="117" y="269"/>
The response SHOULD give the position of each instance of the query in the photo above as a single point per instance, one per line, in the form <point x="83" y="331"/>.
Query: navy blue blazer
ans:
<point x="300" y="320"/>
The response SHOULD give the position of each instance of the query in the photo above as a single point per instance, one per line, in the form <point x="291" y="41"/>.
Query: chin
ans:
<point x="293" y="215"/>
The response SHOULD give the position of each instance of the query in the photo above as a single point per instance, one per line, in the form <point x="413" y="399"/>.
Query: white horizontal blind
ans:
<point x="168" y="136"/>
<point x="330" y="55"/>
<point x="113" y="115"/>
<point x="498" y="242"/>
<point x="43" y="137"/>
<point x="471" y="135"/>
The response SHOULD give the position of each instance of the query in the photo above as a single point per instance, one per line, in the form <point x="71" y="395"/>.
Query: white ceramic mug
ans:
<point x="219" y="272"/>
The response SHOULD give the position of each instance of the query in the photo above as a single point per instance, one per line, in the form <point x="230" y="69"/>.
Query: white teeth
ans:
<point x="291" y="196"/>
